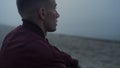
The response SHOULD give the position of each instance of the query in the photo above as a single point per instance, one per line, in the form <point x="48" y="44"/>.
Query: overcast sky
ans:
<point x="89" y="18"/>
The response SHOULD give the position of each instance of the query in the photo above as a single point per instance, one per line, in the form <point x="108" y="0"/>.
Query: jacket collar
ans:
<point x="32" y="27"/>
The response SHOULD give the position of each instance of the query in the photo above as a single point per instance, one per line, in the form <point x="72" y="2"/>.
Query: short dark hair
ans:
<point x="28" y="6"/>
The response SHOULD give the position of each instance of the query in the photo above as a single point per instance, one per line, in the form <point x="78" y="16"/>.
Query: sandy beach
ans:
<point x="91" y="53"/>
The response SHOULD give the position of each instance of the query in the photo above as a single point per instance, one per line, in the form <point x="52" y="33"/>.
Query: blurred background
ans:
<point x="89" y="30"/>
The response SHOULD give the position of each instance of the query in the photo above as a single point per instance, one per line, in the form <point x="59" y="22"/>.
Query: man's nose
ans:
<point x="57" y="15"/>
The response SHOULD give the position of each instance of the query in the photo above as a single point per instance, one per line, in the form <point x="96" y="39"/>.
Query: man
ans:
<point x="26" y="46"/>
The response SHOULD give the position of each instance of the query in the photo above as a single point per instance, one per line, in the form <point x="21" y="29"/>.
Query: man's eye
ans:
<point x="54" y="7"/>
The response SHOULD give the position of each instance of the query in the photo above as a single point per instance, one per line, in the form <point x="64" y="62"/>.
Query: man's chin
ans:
<point x="52" y="30"/>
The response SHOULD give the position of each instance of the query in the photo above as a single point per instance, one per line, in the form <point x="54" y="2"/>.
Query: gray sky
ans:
<point x="89" y="18"/>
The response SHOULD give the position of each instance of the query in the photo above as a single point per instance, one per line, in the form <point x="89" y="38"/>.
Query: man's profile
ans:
<point x="26" y="46"/>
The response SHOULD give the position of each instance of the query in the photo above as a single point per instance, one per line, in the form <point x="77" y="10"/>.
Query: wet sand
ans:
<point x="91" y="53"/>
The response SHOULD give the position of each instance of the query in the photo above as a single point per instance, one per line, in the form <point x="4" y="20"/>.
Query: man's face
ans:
<point x="51" y="16"/>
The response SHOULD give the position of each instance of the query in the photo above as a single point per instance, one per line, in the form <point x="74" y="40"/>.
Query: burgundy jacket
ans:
<point x="26" y="47"/>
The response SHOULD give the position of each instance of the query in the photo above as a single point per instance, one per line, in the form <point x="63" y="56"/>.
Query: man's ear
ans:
<point x="41" y="13"/>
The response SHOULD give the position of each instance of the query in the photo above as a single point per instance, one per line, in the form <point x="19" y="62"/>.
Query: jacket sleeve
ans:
<point x="69" y="61"/>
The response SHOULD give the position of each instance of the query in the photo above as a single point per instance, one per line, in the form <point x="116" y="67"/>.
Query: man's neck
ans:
<point x="36" y="27"/>
<point x="41" y="26"/>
